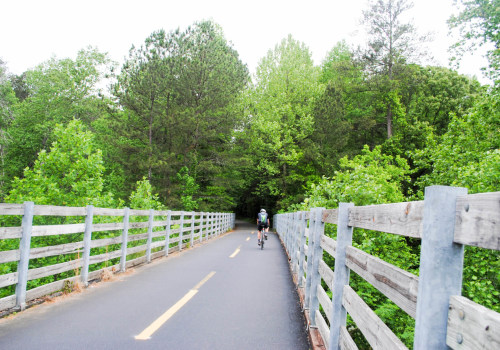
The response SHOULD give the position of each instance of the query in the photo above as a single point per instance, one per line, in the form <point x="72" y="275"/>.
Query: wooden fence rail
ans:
<point x="133" y="237"/>
<point x="445" y="221"/>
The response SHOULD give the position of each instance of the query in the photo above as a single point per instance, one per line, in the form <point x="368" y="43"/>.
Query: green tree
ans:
<point x="468" y="155"/>
<point x="8" y="101"/>
<point x="178" y="90"/>
<point x="391" y="44"/>
<point x="59" y="90"/>
<point x="280" y="120"/>
<point x="69" y="174"/>
<point x="344" y="118"/>
<point x="478" y="23"/>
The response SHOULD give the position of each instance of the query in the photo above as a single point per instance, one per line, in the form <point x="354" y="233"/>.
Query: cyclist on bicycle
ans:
<point x="262" y="224"/>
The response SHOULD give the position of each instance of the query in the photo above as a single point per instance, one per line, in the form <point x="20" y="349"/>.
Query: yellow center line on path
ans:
<point x="235" y="252"/>
<point x="153" y="327"/>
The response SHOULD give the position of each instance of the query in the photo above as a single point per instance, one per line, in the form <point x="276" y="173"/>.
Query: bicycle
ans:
<point x="263" y="237"/>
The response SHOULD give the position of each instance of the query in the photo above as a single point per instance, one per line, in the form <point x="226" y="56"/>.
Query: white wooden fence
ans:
<point x="445" y="221"/>
<point x="167" y="231"/>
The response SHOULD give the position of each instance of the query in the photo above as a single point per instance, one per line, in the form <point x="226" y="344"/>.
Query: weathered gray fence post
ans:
<point x="341" y="276"/>
<point x="191" y="241"/>
<point x="168" y="233"/>
<point x="294" y="244"/>
<point x="201" y="227"/>
<point x="150" y="235"/>
<point x="87" y="240"/>
<point x="24" y="258"/>
<point x="180" y="232"/>
<point x="302" y="228"/>
<point x="317" y="255"/>
<point x="307" y="294"/>
<point x="123" y="259"/>
<point x="441" y="267"/>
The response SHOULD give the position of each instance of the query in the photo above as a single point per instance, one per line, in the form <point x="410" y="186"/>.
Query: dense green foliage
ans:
<point x="185" y="127"/>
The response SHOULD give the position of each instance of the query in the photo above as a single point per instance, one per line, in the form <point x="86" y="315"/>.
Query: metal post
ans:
<point x="24" y="258"/>
<point x="317" y="255"/>
<point x="441" y="267"/>
<point x="123" y="259"/>
<point x="341" y="276"/>
<point x="169" y="231"/>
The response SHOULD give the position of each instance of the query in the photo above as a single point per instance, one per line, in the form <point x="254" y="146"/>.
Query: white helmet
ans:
<point x="263" y="210"/>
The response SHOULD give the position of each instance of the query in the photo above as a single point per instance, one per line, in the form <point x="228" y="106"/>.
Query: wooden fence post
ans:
<point x="441" y="266"/>
<point x="201" y="227"/>
<point x="180" y="232"/>
<point x="24" y="258"/>
<point x="150" y="236"/>
<point x="294" y="244"/>
<point x="312" y="219"/>
<point x="191" y="241"/>
<point x="317" y="255"/>
<point x="87" y="240"/>
<point x="341" y="276"/>
<point x="169" y="230"/>
<point x="123" y="259"/>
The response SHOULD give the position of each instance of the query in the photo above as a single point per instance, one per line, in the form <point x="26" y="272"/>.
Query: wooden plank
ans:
<point x="54" y="250"/>
<point x="54" y="210"/>
<point x="346" y="342"/>
<point x="157" y="244"/>
<point x="326" y="273"/>
<point x="133" y="250"/>
<point x="160" y="223"/>
<point x="472" y="326"/>
<point x="11" y="209"/>
<point x="306" y="232"/>
<point x="398" y="218"/>
<point x="95" y="259"/>
<point x="477" y="220"/>
<point x="49" y="288"/>
<point x="137" y="237"/>
<point x="325" y="301"/>
<point x="329" y="245"/>
<point x="323" y="328"/>
<point x="105" y="242"/>
<point x="8" y="279"/>
<point x="112" y="226"/>
<point x="10" y="232"/>
<point x="51" y="230"/>
<point x="376" y="332"/>
<point x="137" y="212"/>
<point x="108" y="212"/>
<point x="8" y="302"/>
<point x="50" y="270"/>
<point x="143" y="224"/>
<point x="159" y="234"/>
<point x="9" y="255"/>
<point x="396" y="284"/>
<point x="330" y="216"/>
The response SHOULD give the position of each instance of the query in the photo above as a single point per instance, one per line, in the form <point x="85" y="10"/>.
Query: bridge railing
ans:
<point x="85" y="242"/>
<point x="445" y="221"/>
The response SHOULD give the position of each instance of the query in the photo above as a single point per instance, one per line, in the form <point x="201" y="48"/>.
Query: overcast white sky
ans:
<point x="34" y="30"/>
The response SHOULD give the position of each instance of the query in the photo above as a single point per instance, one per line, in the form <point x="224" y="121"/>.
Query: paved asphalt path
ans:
<point x="249" y="303"/>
